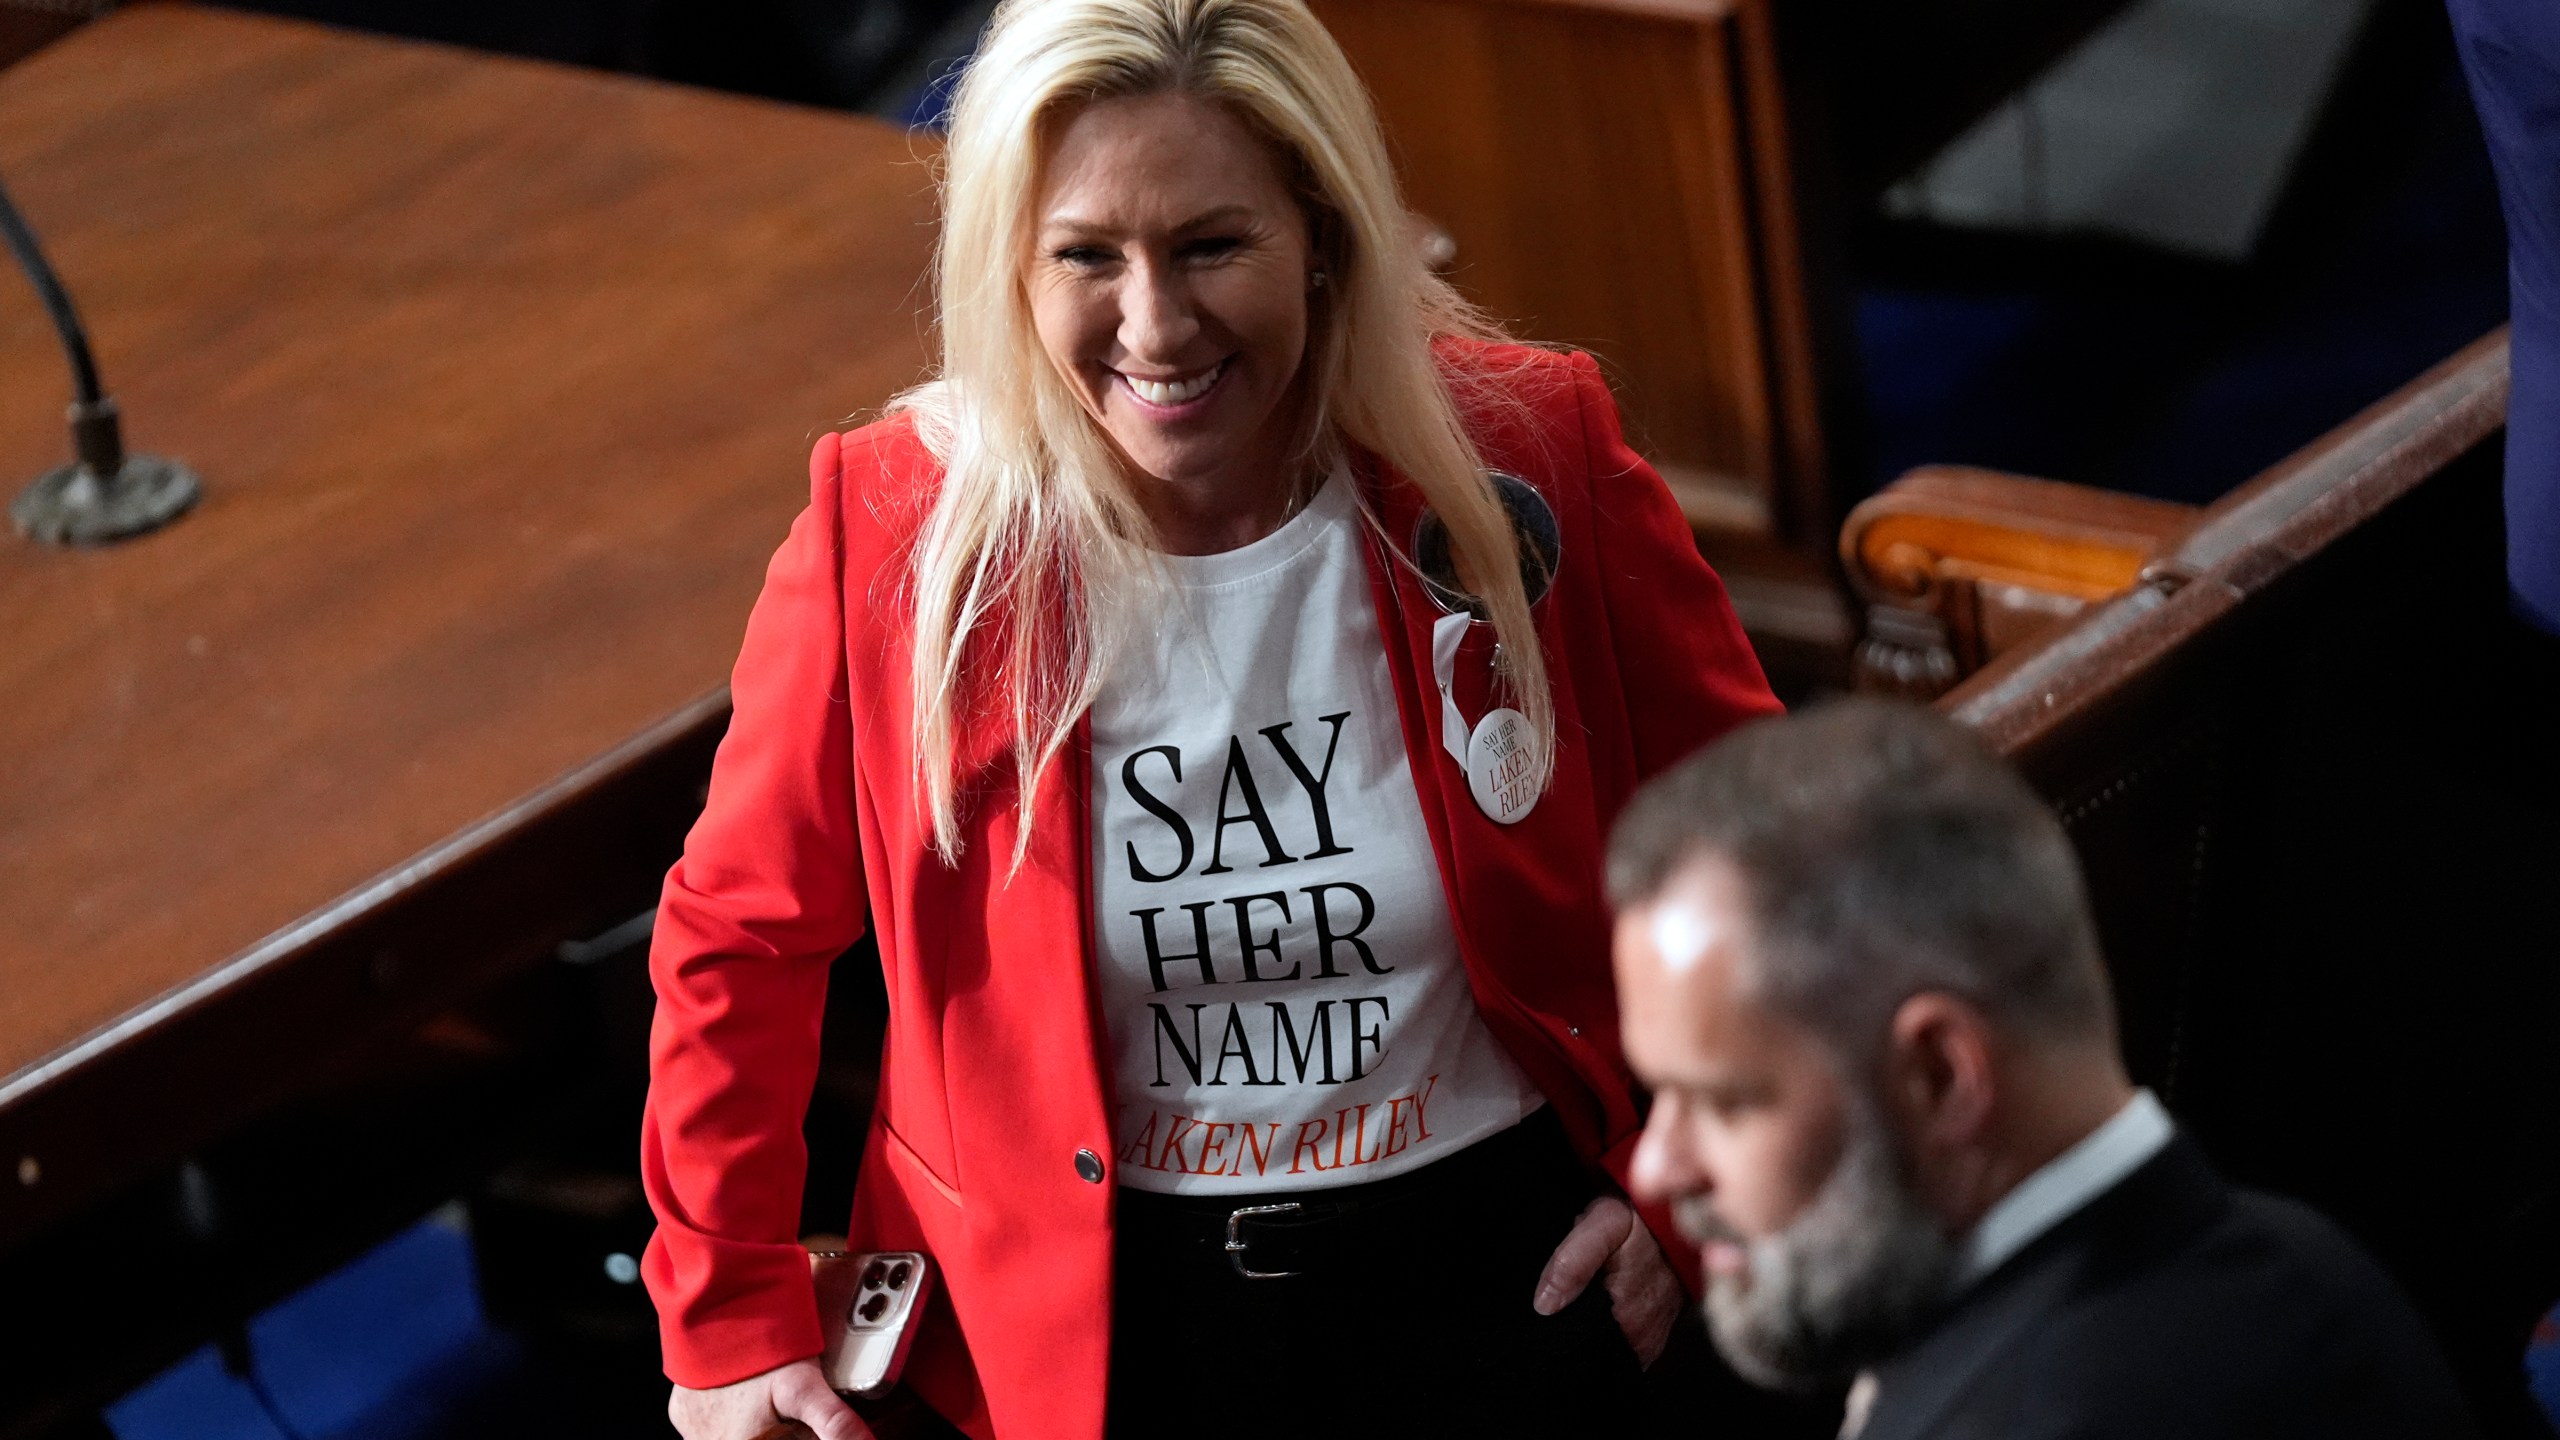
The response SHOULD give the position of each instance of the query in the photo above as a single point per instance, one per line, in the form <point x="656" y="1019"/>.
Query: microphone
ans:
<point x="104" y="494"/>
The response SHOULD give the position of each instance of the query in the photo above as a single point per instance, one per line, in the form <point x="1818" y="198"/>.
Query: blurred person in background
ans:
<point x="1857" y="966"/>
<point x="2511" y="55"/>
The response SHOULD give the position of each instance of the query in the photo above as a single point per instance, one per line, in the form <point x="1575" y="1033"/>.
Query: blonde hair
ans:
<point x="1034" y="509"/>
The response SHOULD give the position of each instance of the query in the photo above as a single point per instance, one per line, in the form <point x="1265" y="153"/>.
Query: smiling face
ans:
<point x="1169" y="281"/>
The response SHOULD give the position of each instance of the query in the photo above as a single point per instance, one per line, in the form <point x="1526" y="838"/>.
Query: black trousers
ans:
<point x="1408" y="1313"/>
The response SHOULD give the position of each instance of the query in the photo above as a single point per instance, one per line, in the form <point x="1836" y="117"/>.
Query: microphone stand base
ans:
<point x="74" y="506"/>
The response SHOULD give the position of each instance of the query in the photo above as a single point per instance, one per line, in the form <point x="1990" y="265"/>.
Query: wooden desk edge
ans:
<point x="424" y="870"/>
<point x="156" y="1083"/>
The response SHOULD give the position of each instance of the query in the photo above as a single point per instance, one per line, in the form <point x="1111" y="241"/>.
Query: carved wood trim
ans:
<point x="1959" y="565"/>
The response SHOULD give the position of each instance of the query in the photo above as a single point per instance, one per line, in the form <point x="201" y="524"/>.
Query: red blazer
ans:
<point x="993" y="1081"/>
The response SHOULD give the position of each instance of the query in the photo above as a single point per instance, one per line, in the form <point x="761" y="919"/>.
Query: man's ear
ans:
<point x="1937" y="1077"/>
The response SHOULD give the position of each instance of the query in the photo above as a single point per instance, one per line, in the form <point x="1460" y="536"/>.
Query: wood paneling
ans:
<point x="1613" y="181"/>
<point x="500" y="378"/>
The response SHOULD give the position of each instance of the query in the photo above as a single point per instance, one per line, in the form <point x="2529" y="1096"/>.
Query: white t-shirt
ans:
<point x="1286" y="1004"/>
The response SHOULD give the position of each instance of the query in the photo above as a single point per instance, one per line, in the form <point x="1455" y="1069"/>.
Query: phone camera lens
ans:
<point x="872" y="1274"/>
<point x="898" y="1275"/>
<point x="875" y="1307"/>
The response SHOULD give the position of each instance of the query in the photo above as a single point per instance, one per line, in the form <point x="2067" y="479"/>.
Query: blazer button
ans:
<point x="1089" y="1165"/>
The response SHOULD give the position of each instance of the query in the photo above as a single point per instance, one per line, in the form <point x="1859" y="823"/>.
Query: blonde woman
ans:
<point x="1212" y="691"/>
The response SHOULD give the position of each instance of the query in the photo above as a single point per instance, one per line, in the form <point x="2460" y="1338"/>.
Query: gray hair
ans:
<point x="1884" y="852"/>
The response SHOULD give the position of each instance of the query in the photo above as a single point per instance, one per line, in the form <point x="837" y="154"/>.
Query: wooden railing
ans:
<point x="1958" y="566"/>
<point x="1999" y="583"/>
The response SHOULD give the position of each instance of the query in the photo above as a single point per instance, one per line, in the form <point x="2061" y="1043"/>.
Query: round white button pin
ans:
<point x="1502" y="766"/>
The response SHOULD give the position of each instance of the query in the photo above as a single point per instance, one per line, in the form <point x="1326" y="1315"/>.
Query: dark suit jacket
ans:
<point x="2175" y="1307"/>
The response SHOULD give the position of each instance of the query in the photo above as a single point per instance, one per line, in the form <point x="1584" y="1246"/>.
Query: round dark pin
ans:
<point x="1533" y="525"/>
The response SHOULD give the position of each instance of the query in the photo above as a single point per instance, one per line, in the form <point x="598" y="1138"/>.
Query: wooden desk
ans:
<point x="500" y="379"/>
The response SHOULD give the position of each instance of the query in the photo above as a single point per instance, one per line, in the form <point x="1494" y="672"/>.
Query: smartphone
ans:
<point x="869" y="1305"/>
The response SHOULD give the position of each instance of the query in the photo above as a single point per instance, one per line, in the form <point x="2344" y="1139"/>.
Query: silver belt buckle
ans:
<point x="1237" y="1246"/>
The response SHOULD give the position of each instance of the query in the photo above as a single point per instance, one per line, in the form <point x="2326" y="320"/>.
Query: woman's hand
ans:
<point x="743" y="1411"/>
<point x="1643" y="1293"/>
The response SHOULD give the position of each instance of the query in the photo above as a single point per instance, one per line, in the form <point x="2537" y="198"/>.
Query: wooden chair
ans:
<point x="2307" y="758"/>
<point x="1959" y="566"/>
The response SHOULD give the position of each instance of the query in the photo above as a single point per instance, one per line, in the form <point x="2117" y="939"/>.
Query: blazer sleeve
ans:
<point x="1689" y="674"/>
<point x="767" y="894"/>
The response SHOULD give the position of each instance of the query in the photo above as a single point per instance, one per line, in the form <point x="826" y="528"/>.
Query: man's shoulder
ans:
<point x="2263" y="1266"/>
<point x="2296" y="1245"/>
<point x="2265" y="1318"/>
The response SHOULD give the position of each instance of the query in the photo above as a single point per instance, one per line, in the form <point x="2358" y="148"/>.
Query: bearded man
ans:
<point x="1856" y="965"/>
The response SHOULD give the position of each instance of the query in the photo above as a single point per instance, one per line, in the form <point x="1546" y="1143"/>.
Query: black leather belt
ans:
<point x="1272" y="1236"/>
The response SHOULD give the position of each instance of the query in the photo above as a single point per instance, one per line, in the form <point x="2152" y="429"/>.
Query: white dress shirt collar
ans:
<point x="2038" y="1203"/>
<point x="2064" y="1184"/>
